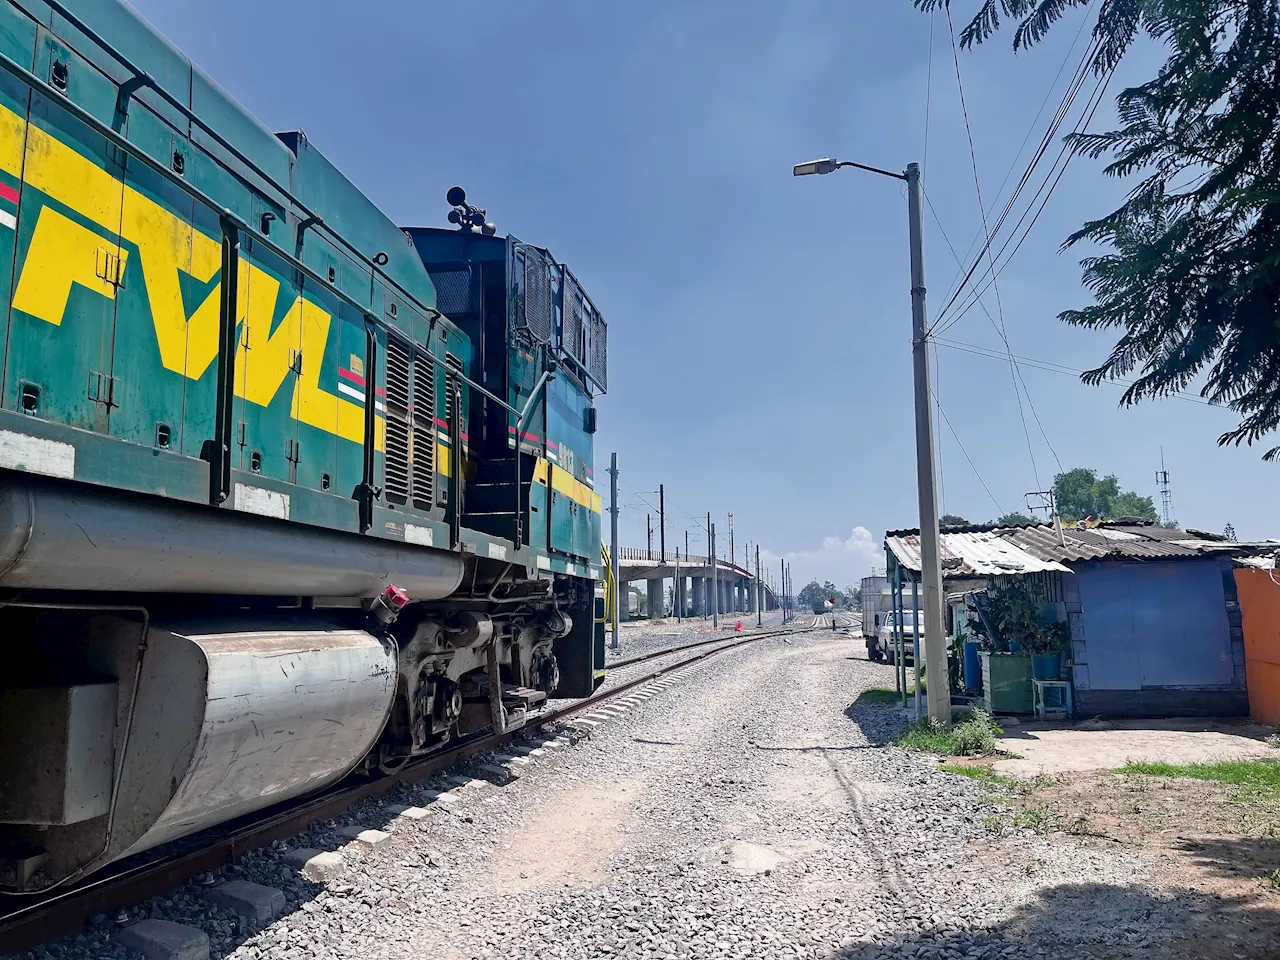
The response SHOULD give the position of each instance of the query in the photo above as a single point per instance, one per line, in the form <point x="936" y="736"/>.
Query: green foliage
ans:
<point x="952" y="520"/>
<point x="814" y="595"/>
<point x="1081" y="493"/>
<point x="1015" y="611"/>
<point x="1257" y="777"/>
<point x="1014" y="519"/>
<point x="975" y="736"/>
<point x="984" y="775"/>
<point x="1192" y="277"/>
<point x="879" y="695"/>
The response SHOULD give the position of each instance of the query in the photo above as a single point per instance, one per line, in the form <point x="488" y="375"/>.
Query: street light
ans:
<point x="935" y="650"/>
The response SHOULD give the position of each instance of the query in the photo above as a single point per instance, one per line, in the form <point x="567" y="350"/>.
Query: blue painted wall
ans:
<point x="1153" y="624"/>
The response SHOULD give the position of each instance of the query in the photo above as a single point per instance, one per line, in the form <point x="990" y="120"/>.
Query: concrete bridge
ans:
<point x="739" y="590"/>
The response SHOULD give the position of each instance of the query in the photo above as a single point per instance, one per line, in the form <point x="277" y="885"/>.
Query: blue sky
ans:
<point x="759" y="324"/>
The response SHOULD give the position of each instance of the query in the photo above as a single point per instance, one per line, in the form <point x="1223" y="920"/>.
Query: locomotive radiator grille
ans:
<point x="424" y="431"/>
<point x="396" y="479"/>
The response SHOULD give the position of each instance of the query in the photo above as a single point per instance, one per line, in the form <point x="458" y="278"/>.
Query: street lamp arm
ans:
<point x="863" y="166"/>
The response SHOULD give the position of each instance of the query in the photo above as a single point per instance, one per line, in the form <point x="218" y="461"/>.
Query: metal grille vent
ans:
<point x="538" y="308"/>
<point x="396" y="478"/>
<point x="598" y="365"/>
<point x="454" y="366"/>
<point x="575" y="312"/>
<point x="424" y="430"/>
<point x="453" y="291"/>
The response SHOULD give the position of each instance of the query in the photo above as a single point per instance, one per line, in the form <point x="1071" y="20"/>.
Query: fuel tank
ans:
<point x="214" y="721"/>
<point x="66" y="537"/>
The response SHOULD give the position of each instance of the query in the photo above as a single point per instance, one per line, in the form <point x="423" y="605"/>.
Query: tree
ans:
<point x="952" y="520"/>
<point x="1013" y="520"/>
<point x="811" y="594"/>
<point x="1081" y="493"/>
<point x="1192" y="279"/>
<point x="1229" y="532"/>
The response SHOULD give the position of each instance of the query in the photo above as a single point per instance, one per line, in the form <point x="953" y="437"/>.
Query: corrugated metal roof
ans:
<point x="991" y="550"/>
<point x="979" y="553"/>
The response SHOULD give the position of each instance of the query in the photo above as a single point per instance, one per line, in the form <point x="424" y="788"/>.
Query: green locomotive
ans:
<point x="286" y="491"/>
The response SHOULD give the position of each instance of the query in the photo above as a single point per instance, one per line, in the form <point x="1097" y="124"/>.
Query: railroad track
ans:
<point x="28" y="921"/>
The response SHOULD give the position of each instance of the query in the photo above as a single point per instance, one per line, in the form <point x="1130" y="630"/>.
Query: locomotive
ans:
<point x="286" y="491"/>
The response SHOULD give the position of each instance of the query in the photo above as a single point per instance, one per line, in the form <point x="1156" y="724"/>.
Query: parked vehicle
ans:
<point x="876" y="597"/>
<point x="885" y="637"/>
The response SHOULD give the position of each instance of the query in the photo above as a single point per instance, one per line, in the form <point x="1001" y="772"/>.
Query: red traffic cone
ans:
<point x="737" y="627"/>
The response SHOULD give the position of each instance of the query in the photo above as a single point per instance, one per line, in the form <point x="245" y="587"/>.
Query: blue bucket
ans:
<point x="972" y="666"/>
<point x="1046" y="666"/>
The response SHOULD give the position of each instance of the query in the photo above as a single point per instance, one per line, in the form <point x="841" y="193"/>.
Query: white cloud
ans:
<point x="842" y="560"/>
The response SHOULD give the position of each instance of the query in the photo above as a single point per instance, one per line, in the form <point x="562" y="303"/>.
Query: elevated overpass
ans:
<point x="690" y="576"/>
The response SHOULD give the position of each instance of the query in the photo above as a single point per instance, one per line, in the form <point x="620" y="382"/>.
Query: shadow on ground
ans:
<point x="1106" y="922"/>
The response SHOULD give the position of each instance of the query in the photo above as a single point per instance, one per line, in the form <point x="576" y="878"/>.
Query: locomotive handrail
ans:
<point x="196" y="193"/>
<point x="142" y="78"/>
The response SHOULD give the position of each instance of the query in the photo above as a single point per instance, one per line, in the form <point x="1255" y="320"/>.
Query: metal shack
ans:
<point x="1153" y="612"/>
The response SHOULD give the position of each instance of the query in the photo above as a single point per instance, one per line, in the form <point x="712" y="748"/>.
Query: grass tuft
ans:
<point x="1255" y="776"/>
<point x="976" y="736"/>
<point x="984" y="775"/>
<point x="884" y="695"/>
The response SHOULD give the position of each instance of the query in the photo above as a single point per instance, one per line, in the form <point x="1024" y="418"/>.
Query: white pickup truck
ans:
<point x="885" y="638"/>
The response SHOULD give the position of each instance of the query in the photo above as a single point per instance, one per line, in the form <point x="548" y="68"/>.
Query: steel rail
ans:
<point x="47" y="919"/>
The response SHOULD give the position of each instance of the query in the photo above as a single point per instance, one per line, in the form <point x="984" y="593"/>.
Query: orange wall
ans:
<point x="1260" y="606"/>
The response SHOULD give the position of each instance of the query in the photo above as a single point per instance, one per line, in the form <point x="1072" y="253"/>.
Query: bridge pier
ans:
<point x="656" y="604"/>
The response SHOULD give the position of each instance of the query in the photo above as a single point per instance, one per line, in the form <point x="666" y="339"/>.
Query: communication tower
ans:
<point x="1166" y="495"/>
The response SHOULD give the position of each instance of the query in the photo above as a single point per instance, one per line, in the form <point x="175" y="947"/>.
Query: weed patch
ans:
<point x="1256" y="778"/>
<point x="976" y="736"/>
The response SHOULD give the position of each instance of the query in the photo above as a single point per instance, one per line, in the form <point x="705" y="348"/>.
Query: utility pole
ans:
<point x="935" y="641"/>
<point x="783" y="587"/>
<point x="759" y="591"/>
<point x="935" y="649"/>
<point x="686" y="544"/>
<point x="662" y="524"/>
<point x="715" y="582"/>
<point x="733" y="557"/>
<point x="613" y="541"/>
<point x="648" y="524"/>
<point x="706" y="600"/>
<point x="676" y="600"/>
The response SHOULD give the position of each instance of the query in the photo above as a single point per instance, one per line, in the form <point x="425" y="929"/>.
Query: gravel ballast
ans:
<point x="749" y="809"/>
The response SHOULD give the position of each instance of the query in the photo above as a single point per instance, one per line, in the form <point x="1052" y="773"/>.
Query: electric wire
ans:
<point x="959" y="444"/>
<point x="951" y="247"/>
<point x="1053" y="84"/>
<point x="1052" y="367"/>
<point x="1057" y="172"/>
<point x="1060" y="115"/>
<point x="986" y="228"/>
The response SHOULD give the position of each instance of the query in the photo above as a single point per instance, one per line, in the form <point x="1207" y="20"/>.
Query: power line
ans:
<point x="1008" y="348"/>
<point x="972" y="465"/>
<point x="1031" y="127"/>
<point x="1052" y="367"/>
<point x="1060" y="115"/>
<point x="986" y="228"/>
<point x="1042" y="194"/>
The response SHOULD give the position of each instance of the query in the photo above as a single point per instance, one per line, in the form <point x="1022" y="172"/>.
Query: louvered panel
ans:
<point x="537" y="296"/>
<point x="398" y="375"/>
<point x="575" y="313"/>
<point x="424" y="431"/>
<point x="396" y="478"/>
<point x="598" y="367"/>
<point x="397" y="470"/>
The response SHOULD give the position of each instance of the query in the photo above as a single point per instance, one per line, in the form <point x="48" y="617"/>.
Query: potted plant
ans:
<point x="1045" y="647"/>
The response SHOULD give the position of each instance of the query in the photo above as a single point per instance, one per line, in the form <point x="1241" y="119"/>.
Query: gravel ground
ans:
<point x="645" y="636"/>
<point x="748" y="809"/>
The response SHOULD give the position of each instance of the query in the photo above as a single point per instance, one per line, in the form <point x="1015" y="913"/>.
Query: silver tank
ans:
<point x="56" y="537"/>
<point x="225" y="718"/>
